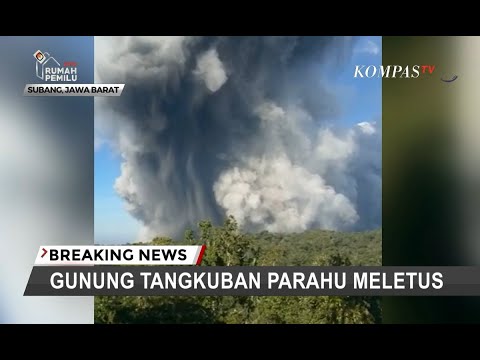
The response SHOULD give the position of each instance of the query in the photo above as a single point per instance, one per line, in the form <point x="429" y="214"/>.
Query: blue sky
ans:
<point x="359" y="100"/>
<point x="113" y="224"/>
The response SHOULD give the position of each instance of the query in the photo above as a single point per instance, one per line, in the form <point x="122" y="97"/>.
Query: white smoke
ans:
<point x="210" y="69"/>
<point x="277" y="195"/>
<point x="143" y="58"/>
<point x="286" y="188"/>
<point x="198" y="144"/>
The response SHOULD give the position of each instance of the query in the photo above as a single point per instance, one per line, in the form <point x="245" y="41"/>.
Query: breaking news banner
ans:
<point x="68" y="271"/>
<point x="120" y="255"/>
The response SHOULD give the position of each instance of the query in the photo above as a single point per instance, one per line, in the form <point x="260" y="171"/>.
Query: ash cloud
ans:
<point x="210" y="126"/>
<point x="210" y="70"/>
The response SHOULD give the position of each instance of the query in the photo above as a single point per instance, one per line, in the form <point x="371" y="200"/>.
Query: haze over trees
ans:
<point x="228" y="246"/>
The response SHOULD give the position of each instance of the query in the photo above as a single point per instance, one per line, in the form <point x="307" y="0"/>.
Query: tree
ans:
<point x="153" y="310"/>
<point x="161" y="240"/>
<point x="319" y="309"/>
<point x="227" y="245"/>
<point x="189" y="237"/>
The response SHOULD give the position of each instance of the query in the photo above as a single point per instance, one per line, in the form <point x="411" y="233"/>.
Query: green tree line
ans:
<point x="228" y="246"/>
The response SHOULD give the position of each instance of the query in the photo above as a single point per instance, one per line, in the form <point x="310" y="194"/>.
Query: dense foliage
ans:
<point x="227" y="246"/>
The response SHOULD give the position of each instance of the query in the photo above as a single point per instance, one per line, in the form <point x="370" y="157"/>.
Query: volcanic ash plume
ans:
<point x="215" y="126"/>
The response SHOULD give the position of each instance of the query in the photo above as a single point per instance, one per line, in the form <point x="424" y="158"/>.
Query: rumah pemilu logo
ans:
<point x="49" y="69"/>
<point x="398" y="72"/>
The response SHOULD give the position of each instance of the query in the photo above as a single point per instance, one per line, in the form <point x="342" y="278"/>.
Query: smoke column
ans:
<point x="215" y="126"/>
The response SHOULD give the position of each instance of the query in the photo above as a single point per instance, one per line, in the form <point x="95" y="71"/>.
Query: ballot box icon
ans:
<point x="39" y="56"/>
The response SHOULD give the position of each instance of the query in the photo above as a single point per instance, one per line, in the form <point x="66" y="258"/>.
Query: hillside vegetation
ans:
<point x="227" y="246"/>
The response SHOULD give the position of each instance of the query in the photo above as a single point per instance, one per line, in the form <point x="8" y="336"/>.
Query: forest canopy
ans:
<point x="227" y="245"/>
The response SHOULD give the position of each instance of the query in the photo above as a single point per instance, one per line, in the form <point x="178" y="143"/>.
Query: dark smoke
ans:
<point x="209" y="126"/>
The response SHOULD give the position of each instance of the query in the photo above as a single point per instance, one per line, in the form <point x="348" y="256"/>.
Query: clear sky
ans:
<point x="359" y="99"/>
